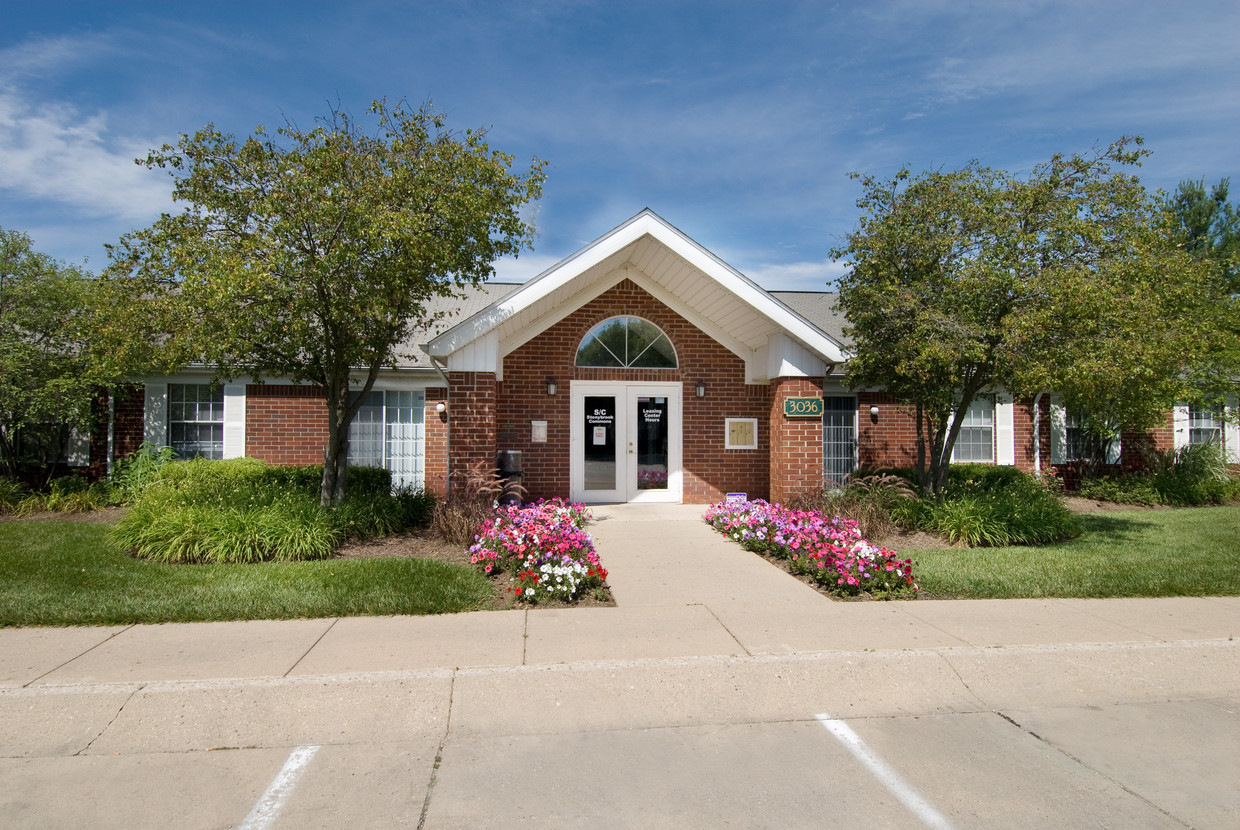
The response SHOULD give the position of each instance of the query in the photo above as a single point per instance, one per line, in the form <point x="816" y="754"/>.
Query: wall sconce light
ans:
<point x="551" y="386"/>
<point x="874" y="410"/>
<point x="441" y="407"/>
<point x="701" y="389"/>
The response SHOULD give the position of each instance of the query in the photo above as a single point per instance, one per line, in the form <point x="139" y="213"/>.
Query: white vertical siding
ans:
<point x="1059" y="430"/>
<point x="1231" y="436"/>
<point x="155" y="415"/>
<point x="1005" y="429"/>
<point x="1179" y="421"/>
<point x="234" y="420"/>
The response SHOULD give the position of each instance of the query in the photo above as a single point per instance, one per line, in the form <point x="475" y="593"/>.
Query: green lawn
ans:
<point x="67" y="573"/>
<point x="1154" y="553"/>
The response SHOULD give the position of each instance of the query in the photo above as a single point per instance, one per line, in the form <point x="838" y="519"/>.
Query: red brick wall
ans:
<point x="888" y="439"/>
<point x="796" y="443"/>
<point x="709" y="469"/>
<point x="471" y="422"/>
<point x="435" y="449"/>
<point x="285" y="424"/>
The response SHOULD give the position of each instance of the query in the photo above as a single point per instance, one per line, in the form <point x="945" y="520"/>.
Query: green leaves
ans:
<point x="1069" y="279"/>
<point x="311" y="254"/>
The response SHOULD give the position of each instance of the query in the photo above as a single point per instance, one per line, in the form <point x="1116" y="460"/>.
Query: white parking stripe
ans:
<point x="886" y="776"/>
<point x="268" y="807"/>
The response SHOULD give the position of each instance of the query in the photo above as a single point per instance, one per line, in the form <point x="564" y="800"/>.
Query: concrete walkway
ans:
<point x="712" y="695"/>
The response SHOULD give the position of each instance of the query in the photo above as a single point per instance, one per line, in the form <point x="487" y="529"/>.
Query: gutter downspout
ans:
<point x="1037" y="432"/>
<point x="111" y="451"/>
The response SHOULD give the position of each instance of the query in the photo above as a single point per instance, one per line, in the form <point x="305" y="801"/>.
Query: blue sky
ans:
<point x="736" y="122"/>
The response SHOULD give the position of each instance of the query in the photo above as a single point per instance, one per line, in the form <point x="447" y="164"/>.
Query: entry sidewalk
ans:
<point x="682" y="591"/>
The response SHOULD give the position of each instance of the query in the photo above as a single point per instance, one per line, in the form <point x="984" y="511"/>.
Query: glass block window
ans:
<point x="1205" y="425"/>
<point x="388" y="432"/>
<point x="626" y="343"/>
<point x="976" y="441"/>
<point x="196" y="420"/>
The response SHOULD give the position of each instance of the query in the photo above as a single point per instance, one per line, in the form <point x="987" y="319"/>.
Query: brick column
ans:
<point x="796" y="443"/>
<point x="471" y="422"/>
<point x="435" y="448"/>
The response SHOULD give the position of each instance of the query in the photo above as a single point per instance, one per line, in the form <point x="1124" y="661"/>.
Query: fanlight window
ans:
<point x="626" y="343"/>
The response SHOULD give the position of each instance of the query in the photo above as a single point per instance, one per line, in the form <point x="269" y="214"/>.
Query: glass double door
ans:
<point x="626" y="442"/>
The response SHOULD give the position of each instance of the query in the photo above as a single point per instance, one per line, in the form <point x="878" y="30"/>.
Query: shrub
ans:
<point x="244" y="510"/>
<point x="1011" y="508"/>
<point x="831" y="552"/>
<point x="133" y="473"/>
<point x="544" y="548"/>
<point x="11" y="494"/>
<point x="479" y="492"/>
<point x="1131" y="489"/>
<point x="1195" y="474"/>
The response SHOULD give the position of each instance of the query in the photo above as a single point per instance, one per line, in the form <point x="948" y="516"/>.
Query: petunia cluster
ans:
<point x="830" y="551"/>
<point x="543" y="547"/>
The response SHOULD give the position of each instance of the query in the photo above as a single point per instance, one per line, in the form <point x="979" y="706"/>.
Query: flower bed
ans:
<point x="830" y="552"/>
<point x="544" y="548"/>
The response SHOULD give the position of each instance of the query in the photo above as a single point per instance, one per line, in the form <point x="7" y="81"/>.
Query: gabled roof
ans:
<point x="670" y="266"/>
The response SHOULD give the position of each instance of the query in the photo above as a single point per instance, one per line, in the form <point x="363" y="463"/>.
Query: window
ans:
<point x="196" y="420"/>
<point x="1082" y="444"/>
<point x="976" y="441"/>
<point x="626" y="343"/>
<point x="387" y="432"/>
<point x="1205" y="425"/>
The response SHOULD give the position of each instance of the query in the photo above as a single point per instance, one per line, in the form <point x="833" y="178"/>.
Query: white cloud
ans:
<point x="797" y="276"/>
<point x="55" y="153"/>
<point x="528" y="266"/>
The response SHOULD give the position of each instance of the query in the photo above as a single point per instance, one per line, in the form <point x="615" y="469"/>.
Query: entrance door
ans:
<point x="625" y="442"/>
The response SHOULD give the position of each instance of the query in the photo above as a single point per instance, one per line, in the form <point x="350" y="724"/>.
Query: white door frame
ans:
<point x="626" y="395"/>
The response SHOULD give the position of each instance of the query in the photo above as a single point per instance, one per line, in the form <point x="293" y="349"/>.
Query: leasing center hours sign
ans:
<point x="803" y="407"/>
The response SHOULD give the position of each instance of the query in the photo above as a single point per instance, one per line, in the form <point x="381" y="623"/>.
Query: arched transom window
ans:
<point x="626" y="343"/>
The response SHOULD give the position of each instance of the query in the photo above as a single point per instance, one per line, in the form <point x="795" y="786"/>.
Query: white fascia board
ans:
<point x="644" y="223"/>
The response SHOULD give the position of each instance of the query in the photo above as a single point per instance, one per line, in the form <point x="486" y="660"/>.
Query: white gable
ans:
<point x="672" y="268"/>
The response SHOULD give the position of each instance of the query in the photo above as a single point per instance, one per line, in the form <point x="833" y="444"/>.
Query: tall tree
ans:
<point x="1208" y="224"/>
<point x="974" y="279"/>
<point x="47" y="371"/>
<point x="311" y="254"/>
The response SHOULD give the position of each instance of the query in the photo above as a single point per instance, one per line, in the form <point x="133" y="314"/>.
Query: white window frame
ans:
<point x="985" y="402"/>
<point x="199" y="389"/>
<point x="412" y="473"/>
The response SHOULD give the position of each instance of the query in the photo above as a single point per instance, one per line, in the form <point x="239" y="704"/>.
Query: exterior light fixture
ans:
<point x="441" y="407"/>
<point x="701" y="389"/>
<point x="551" y="386"/>
<point x="874" y="409"/>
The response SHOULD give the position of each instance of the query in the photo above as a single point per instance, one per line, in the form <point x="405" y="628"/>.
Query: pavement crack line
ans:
<point x="724" y="626"/>
<point x="108" y="725"/>
<point x="946" y="659"/>
<point x="76" y="656"/>
<point x="313" y="645"/>
<point x="1081" y="763"/>
<point x="430" y="785"/>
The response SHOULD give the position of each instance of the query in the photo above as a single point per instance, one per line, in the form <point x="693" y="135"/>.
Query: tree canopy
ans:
<point x="1208" y="224"/>
<point x="311" y="254"/>
<point x="47" y="368"/>
<point x="976" y="280"/>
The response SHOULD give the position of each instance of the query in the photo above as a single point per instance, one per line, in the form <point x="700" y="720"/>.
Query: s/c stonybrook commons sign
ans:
<point x="802" y="407"/>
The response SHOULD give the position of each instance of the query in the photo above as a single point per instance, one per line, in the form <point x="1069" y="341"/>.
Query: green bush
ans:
<point x="11" y="494"/>
<point x="1194" y="475"/>
<point x="1130" y="489"/>
<point x="134" y="472"/>
<point x="244" y="510"/>
<point x="1020" y="513"/>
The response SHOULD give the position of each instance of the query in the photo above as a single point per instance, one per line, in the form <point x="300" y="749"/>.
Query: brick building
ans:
<point x="641" y="368"/>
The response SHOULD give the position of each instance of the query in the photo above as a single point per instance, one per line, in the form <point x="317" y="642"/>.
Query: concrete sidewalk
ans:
<point x="712" y="695"/>
<point x="682" y="590"/>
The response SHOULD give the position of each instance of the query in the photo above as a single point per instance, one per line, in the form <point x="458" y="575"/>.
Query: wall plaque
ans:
<point x="802" y="407"/>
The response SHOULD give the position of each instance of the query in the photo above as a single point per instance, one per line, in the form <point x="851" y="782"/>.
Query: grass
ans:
<point x="70" y="573"/>
<point x="1187" y="552"/>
